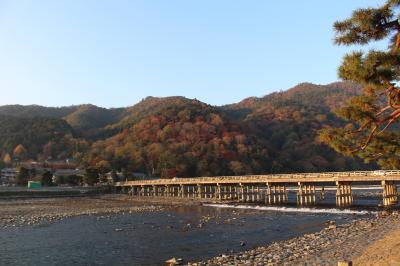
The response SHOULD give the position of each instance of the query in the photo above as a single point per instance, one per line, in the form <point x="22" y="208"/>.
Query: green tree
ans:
<point x="371" y="132"/>
<point x="73" y="180"/>
<point x="91" y="176"/>
<point x="59" y="180"/>
<point x="114" y="176"/>
<point x="47" y="178"/>
<point x="103" y="166"/>
<point x="23" y="176"/>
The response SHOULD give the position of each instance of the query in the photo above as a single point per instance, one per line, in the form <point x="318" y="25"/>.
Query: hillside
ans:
<point x="32" y="133"/>
<point x="84" y="117"/>
<point x="176" y="136"/>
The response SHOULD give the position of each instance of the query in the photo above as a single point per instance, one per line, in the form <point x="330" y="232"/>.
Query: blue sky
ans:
<point x="114" y="53"/>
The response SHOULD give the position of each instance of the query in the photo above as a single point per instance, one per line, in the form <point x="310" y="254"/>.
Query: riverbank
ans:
<point x="335" y="243"/>
<point x="49" y="192"/>
<point x="18" y="212"/>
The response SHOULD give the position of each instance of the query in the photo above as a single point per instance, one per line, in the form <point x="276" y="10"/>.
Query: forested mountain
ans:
<point x="86" y="119"/>
<point x="176" y="136"/>
<point x="33" y="134"/>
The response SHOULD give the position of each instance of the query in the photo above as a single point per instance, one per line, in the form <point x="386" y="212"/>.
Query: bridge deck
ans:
<point x="358" y="176"/>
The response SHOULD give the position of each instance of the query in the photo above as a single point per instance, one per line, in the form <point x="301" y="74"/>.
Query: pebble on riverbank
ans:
<point x="36" y="214"/>
<point x="297" y="250"/>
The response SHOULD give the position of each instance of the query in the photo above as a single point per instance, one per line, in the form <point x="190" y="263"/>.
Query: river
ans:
<point x="190" y="232"/>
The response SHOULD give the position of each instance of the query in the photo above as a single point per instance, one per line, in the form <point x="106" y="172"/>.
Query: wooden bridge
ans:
<point x="271" y="189"/>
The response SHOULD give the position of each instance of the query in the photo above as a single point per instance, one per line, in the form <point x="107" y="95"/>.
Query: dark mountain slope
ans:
<point x="32" y="133"/>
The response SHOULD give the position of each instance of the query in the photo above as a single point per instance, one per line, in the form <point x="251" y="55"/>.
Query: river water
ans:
<point x="192" y="233"/>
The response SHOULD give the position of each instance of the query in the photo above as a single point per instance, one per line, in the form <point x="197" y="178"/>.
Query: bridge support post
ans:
<point x="258" y="194"/>
<point x="322" y="193"/>
<point x="218" y="192"/>
<point x="268" y="194"/>
<point x="390" y="196"/>
<point x="344" y="194"/>
<point x="306" y="194"/>
<point x="199" y="191"/>
<point x="275" y="194"/>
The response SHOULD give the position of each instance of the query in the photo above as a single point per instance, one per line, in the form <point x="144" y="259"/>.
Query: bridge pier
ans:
<point x="170" y="191"/>
<point x="207" y="189"/>
<point x="247" y="193"/>
<point x="344" y="194"/>
<point x="218" y="192"/>
<point x="390" y="196"/>
<point x="306" y="194"/>
<point x="199" y="191"/>
<point x="275" y="194"/>
<point x="235" y="192"/>
<point x="322" y="194"/>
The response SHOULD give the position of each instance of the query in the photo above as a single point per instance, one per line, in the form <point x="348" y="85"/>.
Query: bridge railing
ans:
<point x="262" y="178"/>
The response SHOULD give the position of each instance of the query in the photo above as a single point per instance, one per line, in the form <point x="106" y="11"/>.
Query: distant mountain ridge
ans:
<point x="255" y="135"/>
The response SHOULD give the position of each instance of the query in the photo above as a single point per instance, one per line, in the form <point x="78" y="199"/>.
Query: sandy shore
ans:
<point x="385" y="251"/>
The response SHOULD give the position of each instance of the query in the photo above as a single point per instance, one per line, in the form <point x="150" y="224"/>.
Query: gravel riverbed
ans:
<point x="19" y="212"/>
<point x="326" y="247"/>
<point x="345" y="242"/>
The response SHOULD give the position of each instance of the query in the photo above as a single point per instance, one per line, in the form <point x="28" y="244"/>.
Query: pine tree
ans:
<point x="371" y="131"/>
